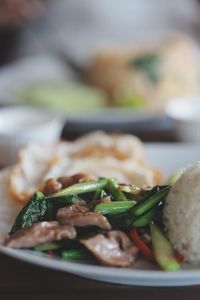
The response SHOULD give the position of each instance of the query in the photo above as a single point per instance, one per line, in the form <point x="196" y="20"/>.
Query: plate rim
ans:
<point x="131" y="276"/>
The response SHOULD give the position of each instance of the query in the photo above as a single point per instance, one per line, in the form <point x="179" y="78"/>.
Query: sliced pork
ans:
<point x="78" y="215"/>
<point x="113" y="249"/>
<point x="52" y="186"/>
<point x="40" y="233"/>
<point x="77" y="178"/>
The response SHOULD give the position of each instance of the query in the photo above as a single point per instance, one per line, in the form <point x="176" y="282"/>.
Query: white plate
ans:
<point x="168" y="158"/>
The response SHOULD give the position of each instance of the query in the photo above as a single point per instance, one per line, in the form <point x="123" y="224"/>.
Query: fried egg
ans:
<point x="120" y="156"/>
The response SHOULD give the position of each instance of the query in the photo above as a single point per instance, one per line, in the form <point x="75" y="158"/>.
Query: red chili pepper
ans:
<point x="143" y="248"/>
<point x="179" y="257"/>
<point x="50" y="252"/>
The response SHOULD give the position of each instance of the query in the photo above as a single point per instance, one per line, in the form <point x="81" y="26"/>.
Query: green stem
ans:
<point x="47" y="246"/>
<point x="143" y="206"/>
<point x="80" y="188"/>
<point x="115" y="191"/>
<point x="145" y="219"/>
<point x="162" y="250"/>
<point x="115" y="207"/>
<point x="75" y="254"/>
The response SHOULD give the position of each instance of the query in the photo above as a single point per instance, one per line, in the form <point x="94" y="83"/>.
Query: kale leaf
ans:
<point x="32" y="212"/>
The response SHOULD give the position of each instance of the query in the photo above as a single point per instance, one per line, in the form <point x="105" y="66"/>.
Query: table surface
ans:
<point x="20" y="280"/>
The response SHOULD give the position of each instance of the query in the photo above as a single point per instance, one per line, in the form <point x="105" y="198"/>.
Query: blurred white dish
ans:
<point x="184" y="112"/>
<point x="17" y="75"/>
<point x="19" y="125"/>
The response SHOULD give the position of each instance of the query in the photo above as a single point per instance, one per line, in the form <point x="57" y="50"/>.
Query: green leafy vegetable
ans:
<point x="149" y="64"/>
<point x="33" y="211"/>
<point x="144" y="61"/>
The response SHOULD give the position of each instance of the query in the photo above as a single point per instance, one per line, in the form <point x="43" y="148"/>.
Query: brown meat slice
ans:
<point x="77" y="178"/>
<point x="114" y="249"/>
<point x="40" y="233"/>
<point x="52" y="186"/>
<point x="79" y="215"/>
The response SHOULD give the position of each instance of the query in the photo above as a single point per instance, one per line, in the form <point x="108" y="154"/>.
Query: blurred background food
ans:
<point x="142" y="77"/>
<point x="63" y="96"/>
<point x="146" y="75"/>
<point x="101" y="65"/>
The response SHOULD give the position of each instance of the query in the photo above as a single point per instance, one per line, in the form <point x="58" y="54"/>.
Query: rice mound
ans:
<point x="182" y="214"/>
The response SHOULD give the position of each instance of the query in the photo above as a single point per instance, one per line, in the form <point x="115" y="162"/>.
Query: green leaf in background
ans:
<point x="63" y="96"/>
<point x="149" y="64"/>
<point x="129" y="98"/>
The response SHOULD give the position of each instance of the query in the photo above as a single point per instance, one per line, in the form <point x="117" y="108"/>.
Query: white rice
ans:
<point x="182" y="214"/>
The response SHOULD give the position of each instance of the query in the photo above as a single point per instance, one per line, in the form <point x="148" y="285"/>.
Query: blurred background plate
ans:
<point x="49" y="69"/>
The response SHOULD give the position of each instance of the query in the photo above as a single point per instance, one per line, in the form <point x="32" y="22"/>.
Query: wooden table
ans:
<point x="22" y="281"/>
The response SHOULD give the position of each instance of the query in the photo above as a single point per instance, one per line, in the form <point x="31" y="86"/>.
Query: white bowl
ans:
<point x="20" y="125"/>
<point x="184" y="113"/>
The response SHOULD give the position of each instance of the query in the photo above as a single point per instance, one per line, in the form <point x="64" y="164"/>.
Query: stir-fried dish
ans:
<point x="96" y="219"/>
